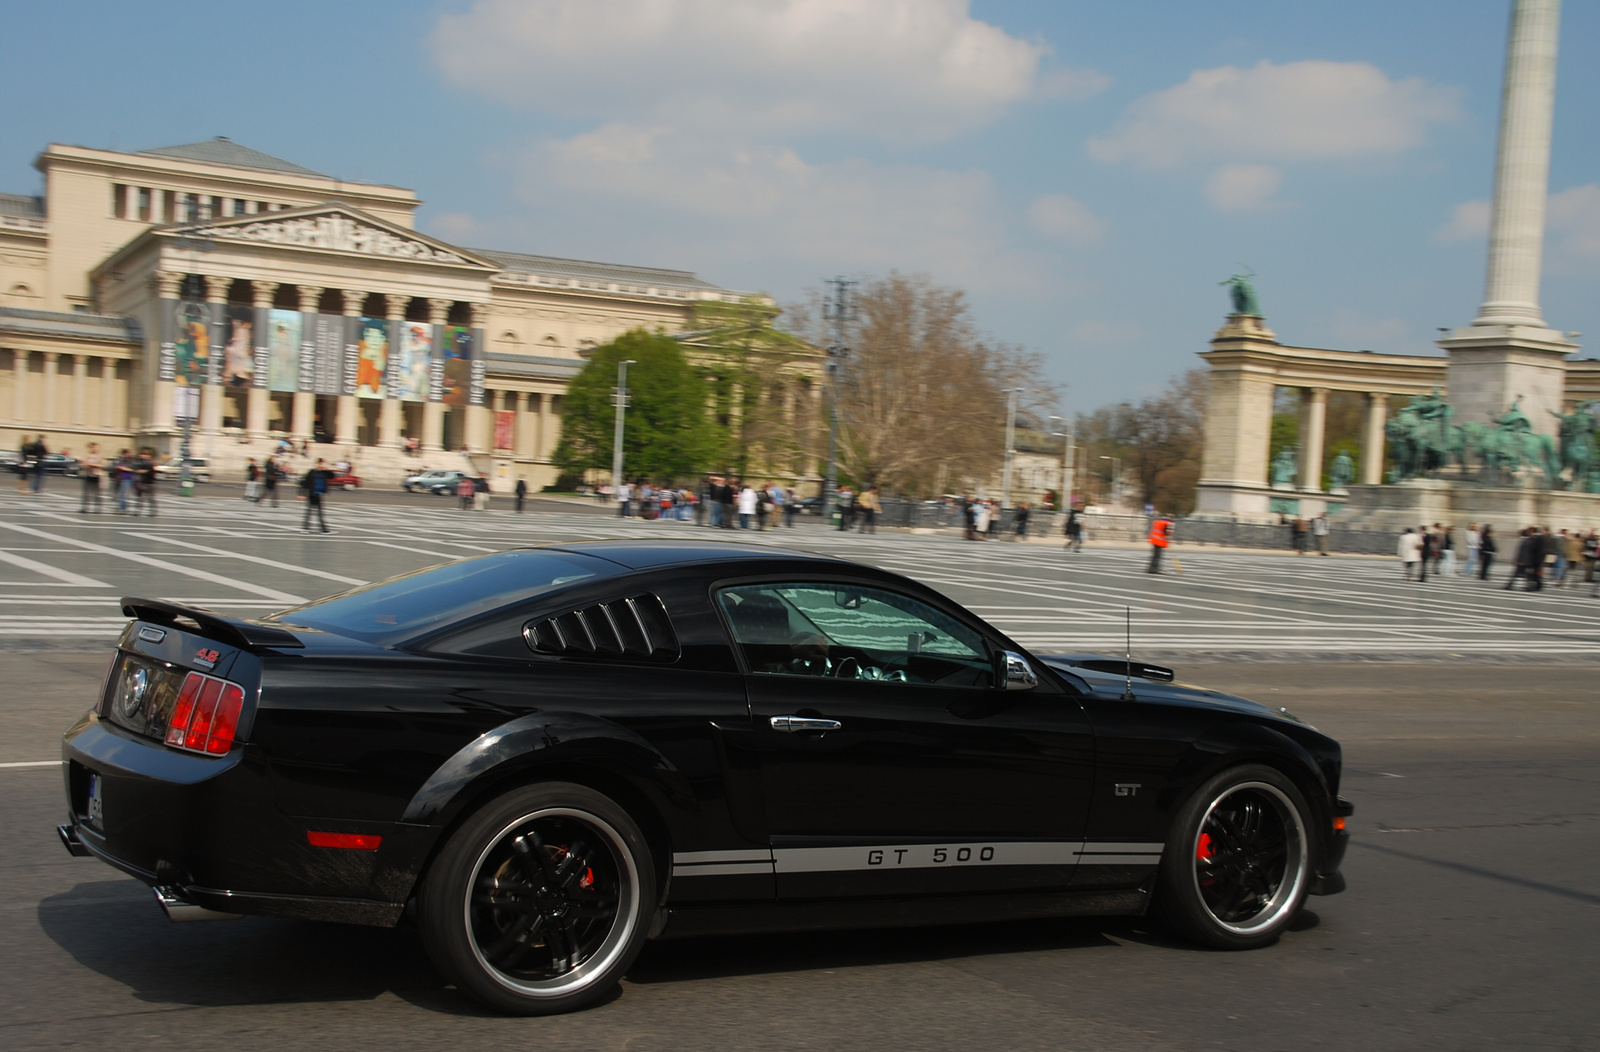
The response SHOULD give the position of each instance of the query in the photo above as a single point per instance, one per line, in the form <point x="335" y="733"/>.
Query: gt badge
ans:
<point x="207" y="658"/>
<point x="1128" y="788"/>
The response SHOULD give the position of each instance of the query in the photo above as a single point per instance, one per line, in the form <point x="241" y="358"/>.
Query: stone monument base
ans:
<point x="1419" y="501"/>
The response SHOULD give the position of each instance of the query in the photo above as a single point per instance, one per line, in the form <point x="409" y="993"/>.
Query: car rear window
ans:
<point x="388" y="611"/>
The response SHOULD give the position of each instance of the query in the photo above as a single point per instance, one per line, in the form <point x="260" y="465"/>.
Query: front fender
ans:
<point x="1244" y="741"/>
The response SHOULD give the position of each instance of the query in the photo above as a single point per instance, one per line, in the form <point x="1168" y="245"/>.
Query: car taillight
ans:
<point x="206" y="716"/>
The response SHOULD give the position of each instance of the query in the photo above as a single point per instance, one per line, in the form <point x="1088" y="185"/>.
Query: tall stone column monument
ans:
<point x="1508" y="352"/>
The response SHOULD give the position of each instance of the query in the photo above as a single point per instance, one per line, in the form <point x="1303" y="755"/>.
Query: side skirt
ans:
<point x="683" y="922"/>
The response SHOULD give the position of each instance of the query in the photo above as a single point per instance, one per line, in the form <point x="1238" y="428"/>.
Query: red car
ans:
<point x="344" y="480"/>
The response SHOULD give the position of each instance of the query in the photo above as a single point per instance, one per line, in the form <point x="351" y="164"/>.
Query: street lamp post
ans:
<point x="1068" y="456"/>
<point x="619" y="399"/>
<point x="1011" y="444"/>
<point x="1116" y="477"/>
<point x="839" y="311"/>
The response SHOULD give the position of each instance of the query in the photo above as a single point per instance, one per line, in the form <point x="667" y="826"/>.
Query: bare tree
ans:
<point x="1159" y="441"/>
<point x="922" y="396"/>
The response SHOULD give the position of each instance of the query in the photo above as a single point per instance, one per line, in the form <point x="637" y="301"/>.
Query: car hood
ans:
<point x="1112" y="685"/>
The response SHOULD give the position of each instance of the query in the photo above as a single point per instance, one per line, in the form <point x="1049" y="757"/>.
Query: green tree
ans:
<point x="668" y="434"/>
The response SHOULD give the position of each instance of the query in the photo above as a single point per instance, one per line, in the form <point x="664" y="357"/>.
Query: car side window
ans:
<point x="850" y="632"/>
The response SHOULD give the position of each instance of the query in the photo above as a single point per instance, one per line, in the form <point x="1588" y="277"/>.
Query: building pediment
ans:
<point x="332" y="228"/>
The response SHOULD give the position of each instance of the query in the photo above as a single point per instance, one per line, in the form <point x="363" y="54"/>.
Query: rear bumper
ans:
<point x="206" y="829"/>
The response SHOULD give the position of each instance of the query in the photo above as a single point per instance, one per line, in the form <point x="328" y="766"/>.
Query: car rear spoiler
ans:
<point x="1114" y="665"/>
<point x="247" y="634"/>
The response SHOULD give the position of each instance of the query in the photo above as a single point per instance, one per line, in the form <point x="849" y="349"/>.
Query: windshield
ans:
<point x="388" y="611"/>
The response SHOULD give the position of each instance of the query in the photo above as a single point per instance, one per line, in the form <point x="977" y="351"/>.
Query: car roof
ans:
<point x="638" y="555"/>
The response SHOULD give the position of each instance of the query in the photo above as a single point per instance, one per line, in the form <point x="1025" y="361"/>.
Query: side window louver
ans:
<point x="636" y="628"/>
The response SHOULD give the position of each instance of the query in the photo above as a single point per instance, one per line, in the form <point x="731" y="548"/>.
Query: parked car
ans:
<point x="440" y="480"/>
<point x="199" y="470"/>
<point x="546" y="756"/>
<point x="344" y="480"/>
<point x="54" y="464"/>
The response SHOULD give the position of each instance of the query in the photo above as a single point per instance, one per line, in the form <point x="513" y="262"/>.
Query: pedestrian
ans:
<point x="124" y="475"/>
<point x="748" y="502"/>
<point x="24" y="451"/>
<point x="1320" y="530"/>
<point x="480" y="493"/>
<point x="1160" y="537"/>
<point x="315" y="484"/>
<point x="1074" y="529"/>
<point x="271" y="474"/>
<point x="1021" y="521"/>
<point x="40" y="451"/>
<point x="969" y="518"/>
<point x="1552" y="552"/>
<point x="624" y="499"/>
<point x="845" y="503"/>
<point x="725" y="496"/>
<point x="145" y="484"/>
<point x="89" y="470"/>
<point x="791" y="506"/>
<point x="1448" y="549"/>
<point x="464" y="492"/>
<point x="1591" y="554"/>
<point x="521" y="492"/>
<point x="1428" y="550"/>
<point x="870" y="507"/>
<point x="1410" y="552"/>
<point x="1487" y="546"/>
<point x="1474" y="546"/>
<point x="252" y="481"/>
<point x="1527" y="561"/>
<point x="1558" y="568"/>
<point x="1297" y="530"/>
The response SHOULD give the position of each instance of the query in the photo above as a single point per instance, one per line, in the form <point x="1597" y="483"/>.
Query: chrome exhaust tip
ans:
<point x="70" y="841"/>
<point x="180" y="910"/>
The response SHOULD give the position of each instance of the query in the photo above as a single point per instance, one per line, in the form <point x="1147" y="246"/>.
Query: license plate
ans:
<point x="97" y="804"/>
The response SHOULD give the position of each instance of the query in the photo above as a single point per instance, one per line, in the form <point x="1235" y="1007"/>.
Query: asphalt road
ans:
<point x="1472" y="919"/>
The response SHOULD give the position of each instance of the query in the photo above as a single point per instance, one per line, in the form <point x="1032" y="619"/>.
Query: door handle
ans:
<point x="798" y="724"/>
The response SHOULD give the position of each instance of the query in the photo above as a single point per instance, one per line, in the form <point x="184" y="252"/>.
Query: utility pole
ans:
<point x="841" y="312"/>
<point x="619" y="398"/>
<point x="1011" y="444"/>
<point x="1068" y="458"/>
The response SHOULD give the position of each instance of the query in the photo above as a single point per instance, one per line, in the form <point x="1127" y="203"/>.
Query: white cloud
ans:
<point x="695" y="198"/>
<point x="1244" y="188"/>
<point x="1469" y="222"/>
<point x="1298" y="111"/>
<point x="1067" y="220"/>
<point x="896" y="69"/>
<point x="458" y="227"/>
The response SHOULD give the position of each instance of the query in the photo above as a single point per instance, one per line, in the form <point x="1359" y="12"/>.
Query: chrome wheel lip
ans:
<point x="1295" y="869"/>
<point x="616" y="940"/>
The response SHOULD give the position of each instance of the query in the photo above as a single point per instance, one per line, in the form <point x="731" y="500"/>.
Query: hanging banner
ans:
<point x="414" y="370"/>
<point x="352" y="357"/>
<point x="505" y="429"/>
<point x="480" y="369"/>
<point x="372" y="357"/>
<point x="192" y="347"/>
<point x="327" y="342"/>
<point x="166" y="360"/>
<point x="238" y="354"/>
<point x="457" y="348"/>
<point x="283" y="350"/>
<point x="263" y="355"/>
<point x="217" y="329"/>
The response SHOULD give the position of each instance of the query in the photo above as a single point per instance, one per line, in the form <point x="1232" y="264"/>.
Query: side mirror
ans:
<point x="1017" y="674"/>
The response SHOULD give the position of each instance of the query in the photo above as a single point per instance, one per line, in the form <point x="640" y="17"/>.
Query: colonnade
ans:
<point x="76" y="392"/>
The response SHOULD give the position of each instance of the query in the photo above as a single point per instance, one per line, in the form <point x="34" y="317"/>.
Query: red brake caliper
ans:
<point x="1202" y="852"/>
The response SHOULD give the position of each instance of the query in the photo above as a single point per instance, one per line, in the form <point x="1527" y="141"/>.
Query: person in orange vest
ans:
<point x="1160" y="537"/>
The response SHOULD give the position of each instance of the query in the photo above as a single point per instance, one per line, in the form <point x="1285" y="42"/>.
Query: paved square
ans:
<point x="61" y="574"/>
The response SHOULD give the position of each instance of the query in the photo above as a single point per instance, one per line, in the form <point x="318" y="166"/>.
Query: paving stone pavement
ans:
<point x="61" y="573"/>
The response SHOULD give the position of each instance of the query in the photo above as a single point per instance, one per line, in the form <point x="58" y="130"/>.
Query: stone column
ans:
<point x="349" y="409"/>
<point x="80" y="388"/>
<point x="534" y="440"/>
<point x="108" y="396"/>
<point x="305" y="402"/>
<point x="1313" y="424"/>
<point x="52" y="362"/>
<point x="158" y="414"/>
<point x="256" y="406"/>
<point x="1233" y="474"/>
<point x="432" y="410"/>
<point x="551" y="422"/>
<point x="1522" y="167"/>
<point x="211" y="394"/>
<point x="1372" y="439"/>
<point x="479" y="435"/>
<point x="389" y="412"/>
<point x="21" y="404"/>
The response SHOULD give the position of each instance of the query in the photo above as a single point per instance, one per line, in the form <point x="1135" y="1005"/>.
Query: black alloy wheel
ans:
<point x="1237" y="865"/>
<point x="541" y="901"/>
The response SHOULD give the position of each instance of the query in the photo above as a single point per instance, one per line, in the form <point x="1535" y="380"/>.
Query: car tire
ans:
<point x="1237" y="864"/>
<point x="533" y="935"/>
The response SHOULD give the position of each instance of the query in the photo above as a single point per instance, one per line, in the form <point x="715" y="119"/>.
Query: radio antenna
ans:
<point x="1127" y="614"/>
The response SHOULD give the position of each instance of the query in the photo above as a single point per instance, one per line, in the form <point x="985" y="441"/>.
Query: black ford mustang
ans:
<point x="547" y="756"/>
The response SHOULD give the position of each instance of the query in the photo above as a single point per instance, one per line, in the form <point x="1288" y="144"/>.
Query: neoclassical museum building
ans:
<point x="250" y="299"/>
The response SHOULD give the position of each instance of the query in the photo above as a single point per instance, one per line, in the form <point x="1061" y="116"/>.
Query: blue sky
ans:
<point x="1088" y="172"/>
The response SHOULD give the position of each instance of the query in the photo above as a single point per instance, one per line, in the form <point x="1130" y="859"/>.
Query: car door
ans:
<point x="891" y="761"/>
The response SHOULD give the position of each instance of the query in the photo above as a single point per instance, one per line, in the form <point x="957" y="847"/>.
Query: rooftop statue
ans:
<point x="1244" y="294"/>
<point x="1577" y="445"/>
<point x="1341" y="471"/>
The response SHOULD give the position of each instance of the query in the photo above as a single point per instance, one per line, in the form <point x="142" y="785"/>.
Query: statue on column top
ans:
<point x="1245" y="301"/>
